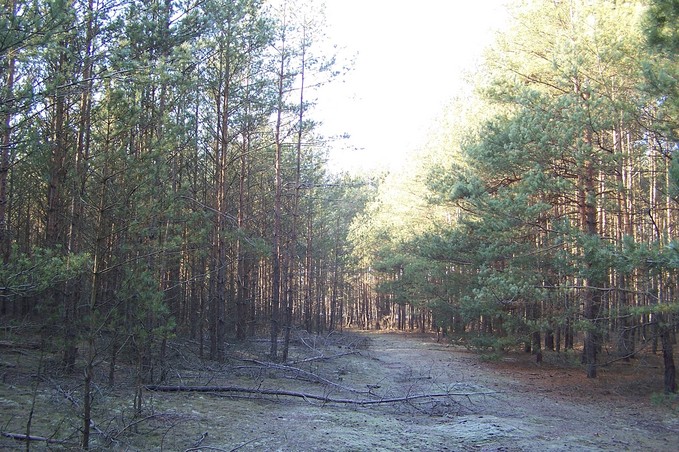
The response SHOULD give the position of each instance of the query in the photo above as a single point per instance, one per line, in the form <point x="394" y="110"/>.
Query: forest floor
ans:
<point x="351" y="391"/>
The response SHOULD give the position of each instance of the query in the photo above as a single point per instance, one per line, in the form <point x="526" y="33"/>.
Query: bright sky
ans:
<point x="411" y="57"/>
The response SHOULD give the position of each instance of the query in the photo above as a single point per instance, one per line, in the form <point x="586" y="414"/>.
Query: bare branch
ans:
<point x="307" y="396"/>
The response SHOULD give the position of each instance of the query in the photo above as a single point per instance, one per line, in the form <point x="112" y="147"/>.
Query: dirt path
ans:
<point x="517" y="410"/>
<point x="523" y="415"/>
<point x="511" y="405"/>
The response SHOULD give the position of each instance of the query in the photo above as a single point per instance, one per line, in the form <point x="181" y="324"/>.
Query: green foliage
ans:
<point x="142" y="317"/>
<point x="28" y="275"/>
<point x="551" y="201"/>
<point x="662" y="75"/>
<point x="661" y="20"/>
<point x="493" y="347"/>
<point x="545" y="189"/>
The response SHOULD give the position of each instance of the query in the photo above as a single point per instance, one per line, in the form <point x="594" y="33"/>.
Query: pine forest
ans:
<point x="163" y="180"/>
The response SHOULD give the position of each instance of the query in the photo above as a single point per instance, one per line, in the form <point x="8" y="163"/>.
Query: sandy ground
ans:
<point x="511" y="404"/>
<point x="537" y="407"/>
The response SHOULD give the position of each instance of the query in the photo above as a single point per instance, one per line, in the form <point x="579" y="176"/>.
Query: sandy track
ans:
<point x="527" y="413"/>
<point x="510" y="405"/>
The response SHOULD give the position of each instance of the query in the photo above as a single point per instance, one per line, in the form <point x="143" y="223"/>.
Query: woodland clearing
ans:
<point x="348" y="391"/>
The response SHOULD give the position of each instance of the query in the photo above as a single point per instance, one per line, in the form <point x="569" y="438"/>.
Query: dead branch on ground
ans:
<point x="322" y="357"/>
<point x="76" y="405"/>
<point x="309" y="375"/>
<point x="22" y="437"/>
<point x="308" y="396"/>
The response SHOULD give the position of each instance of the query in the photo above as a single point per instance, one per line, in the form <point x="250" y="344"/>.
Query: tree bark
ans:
<point x="588" y="218"/>
<point x="670" y="373"/>
<point x="292" y="249"/>
<point x="6" y="141"/>
<point x="278" y="187"/>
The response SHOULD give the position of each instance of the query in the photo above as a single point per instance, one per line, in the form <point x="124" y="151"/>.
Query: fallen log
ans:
<point x="307" y="396"/>
<point x="15" y="345"/>
<point x="22" y="437"/>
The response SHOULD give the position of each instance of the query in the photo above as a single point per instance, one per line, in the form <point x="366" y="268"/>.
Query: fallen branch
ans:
<point x="324" y="358"/>
<point x="12" y="344"/>
<point x="301" y="339"/>
<point x="22" y="437"/>
<point x="71" y="398"/>
<point x="306" y="396"/>
<point x="310" y="375"/>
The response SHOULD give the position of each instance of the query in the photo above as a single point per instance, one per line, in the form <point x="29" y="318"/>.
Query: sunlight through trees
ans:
<point x="162" y="176"/>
